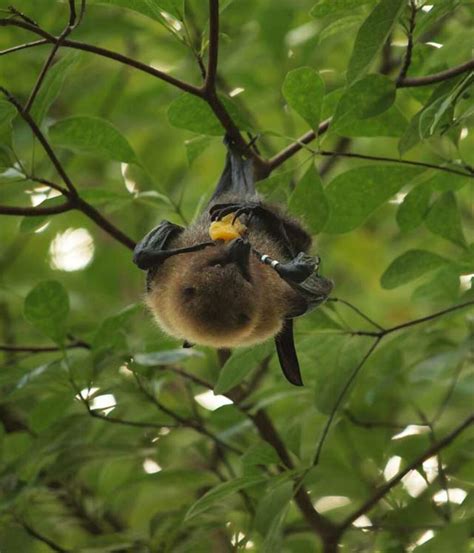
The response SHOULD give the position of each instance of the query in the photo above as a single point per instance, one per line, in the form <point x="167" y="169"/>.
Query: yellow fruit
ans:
<point x="225" y="229"/>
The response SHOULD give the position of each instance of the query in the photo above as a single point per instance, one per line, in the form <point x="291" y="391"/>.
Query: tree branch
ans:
<point x="406" y="82"/>
<point x="49" y="60"/>
<point x="121" y="58"/>
<point x="210" y="83"/>
<point x="75" y="201"/>
<point x="409" y="51"/>
<point x="42" y="139"/>
<point x="208" y="94"/>
<point x="430" y="452"/>
<point x="292" y="149"/>
<point x="36" y="211"/>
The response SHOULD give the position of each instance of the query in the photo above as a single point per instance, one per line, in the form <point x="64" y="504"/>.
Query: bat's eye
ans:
<point x="189" y="292"/>
<point x="243" y="318"/>
<point x="215" y="263"/>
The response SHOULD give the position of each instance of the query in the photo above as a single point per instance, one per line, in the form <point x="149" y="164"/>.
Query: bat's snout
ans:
<point x="238" y="252"/>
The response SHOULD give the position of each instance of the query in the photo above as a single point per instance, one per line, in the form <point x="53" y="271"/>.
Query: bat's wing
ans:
<point x="151" y="250"/>
<point x="237" y="179"/>
<point x="315" y="290"/>
<point x="285" y="346"/>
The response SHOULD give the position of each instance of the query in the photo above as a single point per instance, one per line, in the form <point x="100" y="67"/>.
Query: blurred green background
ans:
<point x="89" y="485"/>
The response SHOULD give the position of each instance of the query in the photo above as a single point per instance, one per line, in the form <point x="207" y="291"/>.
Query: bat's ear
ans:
<point x="285" y="346"/>
<point x="150" y="251"/>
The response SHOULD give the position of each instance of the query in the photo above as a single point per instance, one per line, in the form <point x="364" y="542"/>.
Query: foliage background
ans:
<point x="73" y="475"/>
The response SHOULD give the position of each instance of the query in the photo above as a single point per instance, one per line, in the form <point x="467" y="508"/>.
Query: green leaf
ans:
<point x="409" y="266"/>
<point x="260" y="454"/>
<point x="47" y="307"/>
<point x="354" y="195"/>
<point x="444" y="219"/>
<point x="195" y="147"/>
<point x="372" y="36"/>
<point x="194" y="114"/>
<point x="414" y="207"/>
<point x="220" y="492"/>
<point x="303" y="89"/>
<point x="411" y="136"/>
<point x="423" y="120"/>
<point x="443" y="182"/>
<point x="328" y="7"/>
<point x="273" y="506"/>
<point x="174" y="7"/>
<point x="52" y="85"/>
<point x="7" y="112"/>
<point x="309" y="202"/>
<point x="150" y="8"/>
<point x="366" y="109"/>
<point x="454" y="537"/>
<point x="111" y="336"/>
<point x="368" y="97"/>
<point x="32" y="224"/>
<point x="238" y="366"/>
<point x="169" y="357"/>
<point x="390" y="123"/>
<point x="442" y="288"/>
<point x="92" y="135"/>
<point x="342" y="24"/>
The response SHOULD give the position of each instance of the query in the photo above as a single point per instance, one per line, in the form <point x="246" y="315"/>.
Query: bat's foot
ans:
<point x="219" y="211"/>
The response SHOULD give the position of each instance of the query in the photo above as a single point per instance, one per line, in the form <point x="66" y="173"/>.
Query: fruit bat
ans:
<point x="238" y="275"/>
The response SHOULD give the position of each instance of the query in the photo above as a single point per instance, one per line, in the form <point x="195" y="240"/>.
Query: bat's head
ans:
<point x="220" y="296"/>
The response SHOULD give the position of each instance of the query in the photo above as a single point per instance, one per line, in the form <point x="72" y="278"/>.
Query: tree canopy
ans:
<point x="358" y="117"/>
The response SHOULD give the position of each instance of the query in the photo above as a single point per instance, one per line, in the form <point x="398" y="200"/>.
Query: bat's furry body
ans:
<point x="221" y="294"/>
<point x="225" y="310"/>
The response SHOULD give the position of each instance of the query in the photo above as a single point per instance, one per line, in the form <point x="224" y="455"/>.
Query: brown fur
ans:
<point x="196" y="300"/>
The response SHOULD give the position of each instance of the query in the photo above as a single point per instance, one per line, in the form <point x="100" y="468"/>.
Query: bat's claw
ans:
<point x="219" y="211"/>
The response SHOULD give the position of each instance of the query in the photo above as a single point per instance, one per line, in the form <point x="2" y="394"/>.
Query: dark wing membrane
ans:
<point x="315" y="290"/>
<point x="285" y="346"/>
<point x="237" y="179"/>
<point x="151" y="250"/>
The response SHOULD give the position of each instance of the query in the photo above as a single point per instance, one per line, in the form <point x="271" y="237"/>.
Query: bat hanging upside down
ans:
<point x="235" y="277"/>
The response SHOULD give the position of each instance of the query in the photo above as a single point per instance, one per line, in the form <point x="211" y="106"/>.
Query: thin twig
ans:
<point x="385" y="489"/>
<point x="391" y="160"/>
<point x="42" y="139"/>
<point x="409" y="51"/>
<point x="201" y="429"/>
<point x="340" y="398"/>
<point x="358" y="311"/>
<point x="25" y="46"/>
<point x="40" y="537"/>
<point x="428" y="317"/>
<point x="376" y="424"/>
<point x="43" y="349"/>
